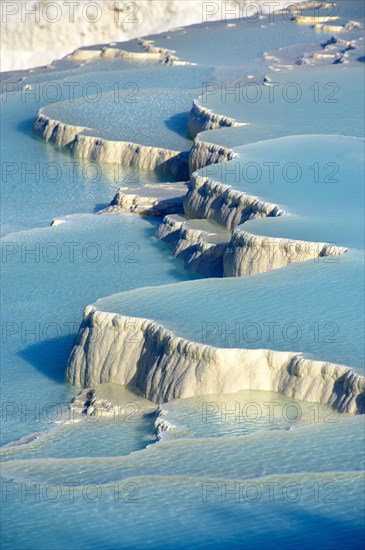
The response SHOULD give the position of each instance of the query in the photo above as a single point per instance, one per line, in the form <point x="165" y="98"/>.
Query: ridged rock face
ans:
<point x="187" y="244"/>
<point x="150" y="53"/>
<point x="215" y="201"/>
<point x="144" y="205"/>
<point x="202" y="119"/>
<point x="57" y="132"/>
<point x="202" y="154"/>
<point x="244" y="254"/>
<point x="125" y="153"/>
<point x="126" y="350"/>
<point x="322" y="27"/>
<point x="249" y="254"/>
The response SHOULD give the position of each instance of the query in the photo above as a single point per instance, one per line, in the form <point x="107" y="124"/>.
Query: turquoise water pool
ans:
<point x="217" y="480"/>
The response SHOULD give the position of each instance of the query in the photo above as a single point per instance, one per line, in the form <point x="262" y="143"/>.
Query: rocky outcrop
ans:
<point x="210" y="199"/>
<point x="241" y="254"/>
<point x="249" y="254"/>
<point x="142" y="157"/>
<point x="202" y="119"/>
<point x="165" y="367"/>
<point x="151" y="204"/>
<point x="202" y="154"/>
<point x="191" y="246"/>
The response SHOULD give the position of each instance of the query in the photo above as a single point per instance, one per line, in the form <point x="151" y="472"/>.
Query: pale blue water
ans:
<point x="310" y="101"/>
<point x="49" y="182"/>
<point x="240" y="40"/>
<point x="321" y="316"/>
<point x="45" y="292"/>
<point x="116" y="117"/>
<point x="183" y="501"/>
<point x="259" y="36"/>
<point x="316" y="179"/>
<point x="170" y="496"/>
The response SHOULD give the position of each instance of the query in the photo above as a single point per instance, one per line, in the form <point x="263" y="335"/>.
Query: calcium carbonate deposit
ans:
<point x="182" y="257"/>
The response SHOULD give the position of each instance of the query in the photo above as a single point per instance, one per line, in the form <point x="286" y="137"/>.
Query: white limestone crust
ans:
<point x="142" y="157"/>
<point x="165" y="367"/>
<point x="213" y="200"/>
<point x="202" y="119"/>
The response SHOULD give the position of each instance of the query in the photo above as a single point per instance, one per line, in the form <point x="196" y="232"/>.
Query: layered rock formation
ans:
<point x="165" y="367"/>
